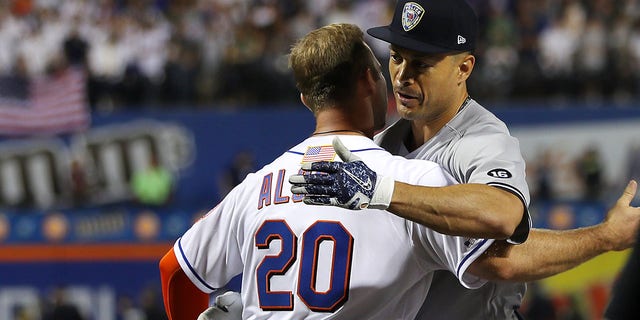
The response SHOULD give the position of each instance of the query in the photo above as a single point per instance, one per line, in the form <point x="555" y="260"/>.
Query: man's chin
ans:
<point x="406" y="113"/>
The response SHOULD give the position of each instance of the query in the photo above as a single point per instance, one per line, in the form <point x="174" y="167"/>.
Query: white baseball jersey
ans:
<point x="323" y="262"/>
<point x="475" y="147"/>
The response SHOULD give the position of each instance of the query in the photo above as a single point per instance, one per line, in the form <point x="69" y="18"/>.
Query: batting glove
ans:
<point x="350" y="184"/>
<point x="228" y="306"/>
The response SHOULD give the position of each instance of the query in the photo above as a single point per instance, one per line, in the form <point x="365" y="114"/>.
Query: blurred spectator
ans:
<point x="624" y="296"/>
<point x="151" y="33"/>
<point x="132" y="89"/>
<point x="527" y="77"/>
<point x="243" y="73"/>
<point x="23" y="313"/>
<point x="75" y="47"/>
<point x="558" y="46"/>
<point x="243" y="163"/>
<point x="181" y="73"/>
<point x="34" y="50"/>
<point x="153" y="185"/>
<point x="590" y="171"/>
<point x="60" y="308"/>
<point x="538" y="306"/>
<point x="21" y="7"/>
<point x="634" y="51"/>
<point x="591" y="60"/>
<point x="568" y="308"/>
<point x="544" y="177"/>
<point x="620" y="75"/>
<point x="126" y="310"/>
<point x="633" y="162"/>
<point x="501" y="54"/>
<point x="107" y="64"/>
<point x="15" y="84"/>
<point x="79" y="184"/>
<point x="10" y="31"/>
<point x="152" y="305"/>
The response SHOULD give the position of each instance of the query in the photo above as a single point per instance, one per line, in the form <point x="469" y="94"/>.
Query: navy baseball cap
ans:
<point x="431" y="26"/>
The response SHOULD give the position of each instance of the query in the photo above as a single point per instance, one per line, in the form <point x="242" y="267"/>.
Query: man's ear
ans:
<point x="304" y="101"/>
<point x="465" y="67"/>
<point x="370" y="81"/>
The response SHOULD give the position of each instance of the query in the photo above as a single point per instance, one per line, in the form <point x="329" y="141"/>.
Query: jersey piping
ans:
<point x="353" y="151"/>
<point x="193" y="272"/>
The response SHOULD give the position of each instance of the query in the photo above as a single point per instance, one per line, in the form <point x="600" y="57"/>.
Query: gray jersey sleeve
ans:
<point x="474" y="147"/>
<point x="494" y="159"/>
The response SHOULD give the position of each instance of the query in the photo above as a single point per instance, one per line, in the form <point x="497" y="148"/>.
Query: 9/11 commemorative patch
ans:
<point x="319" y="153"/>
<point x="411" y="15"/>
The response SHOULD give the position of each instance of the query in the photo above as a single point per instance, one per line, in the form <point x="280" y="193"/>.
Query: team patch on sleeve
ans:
<point x="469" y="242"/>
<point x="500" y="173"/>
<point x="319" y="153"/>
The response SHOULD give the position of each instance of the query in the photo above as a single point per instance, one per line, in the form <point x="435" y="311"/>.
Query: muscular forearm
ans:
<point x="545" y="253"/>
<point x="471" y="210"/>
<point x="548" y="252"/>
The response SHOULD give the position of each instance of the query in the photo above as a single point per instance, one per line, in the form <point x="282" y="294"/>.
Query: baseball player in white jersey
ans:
<point x="301" y="262"/>
<point x="431" y="58"/>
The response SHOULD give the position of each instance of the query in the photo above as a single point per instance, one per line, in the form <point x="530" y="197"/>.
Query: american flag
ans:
<point x="319" y="153"/>
<point x="44" y="105"/>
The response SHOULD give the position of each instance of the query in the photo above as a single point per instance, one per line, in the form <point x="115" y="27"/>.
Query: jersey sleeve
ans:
<point x="454" y="254"/>
<point x="209" y="252"/>
<point x="494" y="159"/>
<point x="445" y="252"/>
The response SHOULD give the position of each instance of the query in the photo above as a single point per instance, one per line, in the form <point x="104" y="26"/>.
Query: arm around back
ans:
<point x="471" y="210"/>
<point x="549" y="252"/>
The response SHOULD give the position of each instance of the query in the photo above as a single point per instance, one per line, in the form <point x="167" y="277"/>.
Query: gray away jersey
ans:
<point x="475" y="147"/>
<point x="323" y="262"/>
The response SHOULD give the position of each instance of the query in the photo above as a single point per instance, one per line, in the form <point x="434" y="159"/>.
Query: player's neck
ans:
<point x="338" y="131"/>
<point x="331" y="122"/>
<point x="422" y="130"/>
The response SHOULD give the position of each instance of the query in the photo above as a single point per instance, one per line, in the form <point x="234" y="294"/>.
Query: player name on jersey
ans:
<point x="273" y="194"/>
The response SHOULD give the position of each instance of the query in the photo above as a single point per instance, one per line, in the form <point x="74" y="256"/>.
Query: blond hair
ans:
<point x="327" y="62"/>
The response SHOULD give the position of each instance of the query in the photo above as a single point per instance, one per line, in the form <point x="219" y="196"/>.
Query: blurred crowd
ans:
<point x="231" y="53"/>
<point x="586" y="50"/>
<point x="555" y="176"/>
<point x="64" y="303"/>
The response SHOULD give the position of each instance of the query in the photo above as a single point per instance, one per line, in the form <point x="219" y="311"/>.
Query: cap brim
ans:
<point x="401" y="40"/>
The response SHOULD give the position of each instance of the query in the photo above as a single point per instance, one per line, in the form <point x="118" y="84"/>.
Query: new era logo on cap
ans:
<point x="431" y="26"/>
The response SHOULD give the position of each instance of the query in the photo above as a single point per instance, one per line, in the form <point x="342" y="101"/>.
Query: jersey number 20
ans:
<point x="274" y="265"/>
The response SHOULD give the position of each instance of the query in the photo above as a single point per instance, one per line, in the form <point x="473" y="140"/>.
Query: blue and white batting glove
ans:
<point x="228" y="306"/>
<point x="350" y="184"/>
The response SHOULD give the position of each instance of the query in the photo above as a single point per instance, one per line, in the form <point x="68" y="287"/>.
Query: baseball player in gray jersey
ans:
<point x="431" y="57"/>
<point x="476" y="139"/>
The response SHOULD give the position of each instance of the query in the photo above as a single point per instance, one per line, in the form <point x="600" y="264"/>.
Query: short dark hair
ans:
<point x="327" y="62"/>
